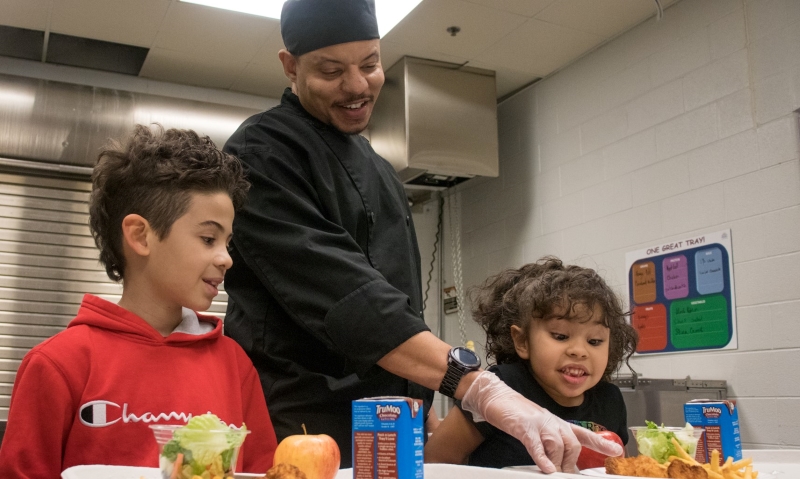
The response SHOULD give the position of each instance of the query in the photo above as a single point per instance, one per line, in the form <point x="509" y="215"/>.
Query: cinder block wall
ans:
<point x="677" y="127"/>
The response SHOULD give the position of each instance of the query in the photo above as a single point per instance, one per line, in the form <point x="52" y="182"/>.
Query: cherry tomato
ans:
<point x="590" y="458"/>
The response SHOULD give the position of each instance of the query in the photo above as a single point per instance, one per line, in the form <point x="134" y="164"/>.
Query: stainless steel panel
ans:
<point x="13" y="213"/>
<point x="22" y="343"/>
<point x="44" y="238"/>
<point x="20" y="224"/>
<point x="59" y="186"/>
<point x="49" y="262"/>
<point x="9" y="364"/>
<point x="22" y="295"/>
<point x="12" y="353"/>
<point x="37" y="308"/>
<point x="20" y="247"/>
<point x="30" y="330"/>
<point x="67" y="124"/>
<point x="35" y="320"/>
<point x="13" y="270"/>
<point x="10" y="203"/>
<point x="47" y="284"/>
<point x="28" y="196"/>
<point x="437" y="118"/>
<point x="55" y="169"/>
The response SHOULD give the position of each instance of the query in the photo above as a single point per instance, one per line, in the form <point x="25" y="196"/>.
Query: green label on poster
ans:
<point x="699" y="323"/>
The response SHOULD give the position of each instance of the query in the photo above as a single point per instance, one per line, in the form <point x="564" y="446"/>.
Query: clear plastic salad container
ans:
<point x="204" y="447"/>
<point x="656" y="441"/>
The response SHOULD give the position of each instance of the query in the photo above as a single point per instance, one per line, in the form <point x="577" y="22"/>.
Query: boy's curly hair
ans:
<point x="532" y="292"/>
<point x="153" y="174"/>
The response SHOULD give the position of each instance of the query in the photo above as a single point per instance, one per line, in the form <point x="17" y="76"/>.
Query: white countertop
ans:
<point x="770" y="464"/>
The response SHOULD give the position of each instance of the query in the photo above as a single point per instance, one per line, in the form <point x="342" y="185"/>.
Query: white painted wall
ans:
<point x="675" y="128"/>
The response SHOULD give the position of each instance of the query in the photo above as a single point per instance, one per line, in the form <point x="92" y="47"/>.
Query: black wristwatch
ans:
<point x="460" y="361"/>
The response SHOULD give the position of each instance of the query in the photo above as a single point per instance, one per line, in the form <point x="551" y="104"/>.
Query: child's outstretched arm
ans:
<point x="453" y="440"/>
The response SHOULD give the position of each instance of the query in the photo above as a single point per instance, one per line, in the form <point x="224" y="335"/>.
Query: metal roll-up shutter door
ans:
<point x="48" y="260"/>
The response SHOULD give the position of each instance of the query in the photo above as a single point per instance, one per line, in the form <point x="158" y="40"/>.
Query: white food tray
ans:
<point x="771" y="464"/>
<point x="432" y="471"/>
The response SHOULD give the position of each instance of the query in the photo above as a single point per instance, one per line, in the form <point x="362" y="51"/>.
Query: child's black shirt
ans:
<point x="602" y="408"/>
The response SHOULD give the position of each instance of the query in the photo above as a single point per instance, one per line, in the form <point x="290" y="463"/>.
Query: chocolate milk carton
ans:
<point x="720" y="420"/>
<point x="387" y="438"/>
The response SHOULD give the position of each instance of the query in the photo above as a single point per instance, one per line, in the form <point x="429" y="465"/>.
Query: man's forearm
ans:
<point x="423" y="359"/>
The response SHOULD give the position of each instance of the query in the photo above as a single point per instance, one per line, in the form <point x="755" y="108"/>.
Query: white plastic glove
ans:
<point x="553" y="443"/>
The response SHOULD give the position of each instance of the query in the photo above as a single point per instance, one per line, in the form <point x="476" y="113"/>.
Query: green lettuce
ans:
<point x="202" y="445"/>
<point x="656" y="441"/>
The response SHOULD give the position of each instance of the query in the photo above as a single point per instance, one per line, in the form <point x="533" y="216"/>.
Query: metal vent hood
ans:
<point x="53" y="122"/>
<point x="436" y="123"/>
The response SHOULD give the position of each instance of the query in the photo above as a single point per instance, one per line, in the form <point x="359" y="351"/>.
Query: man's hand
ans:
<point x="553" y="444"/>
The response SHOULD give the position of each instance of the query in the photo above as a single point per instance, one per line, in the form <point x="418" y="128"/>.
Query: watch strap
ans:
<point x="451" y="379"/>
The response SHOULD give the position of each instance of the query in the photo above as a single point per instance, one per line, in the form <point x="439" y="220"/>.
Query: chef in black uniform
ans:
<point x="324" y="293"/>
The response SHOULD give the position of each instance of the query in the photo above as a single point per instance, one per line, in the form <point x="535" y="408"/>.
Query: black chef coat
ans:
<point x="326" y="271"/>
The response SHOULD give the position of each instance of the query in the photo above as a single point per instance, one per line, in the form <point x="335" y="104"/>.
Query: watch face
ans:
<point x="466" y="357"/>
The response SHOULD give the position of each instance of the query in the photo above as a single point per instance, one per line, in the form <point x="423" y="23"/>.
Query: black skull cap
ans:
<point x="308" y="25"/>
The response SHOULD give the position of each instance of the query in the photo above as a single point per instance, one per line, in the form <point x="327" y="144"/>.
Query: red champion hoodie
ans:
<point x="88" y="394"/>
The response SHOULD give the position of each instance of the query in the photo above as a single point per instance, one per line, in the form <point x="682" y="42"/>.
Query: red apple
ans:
<point x="590" y="458"/>
<point x="317" y="455"/>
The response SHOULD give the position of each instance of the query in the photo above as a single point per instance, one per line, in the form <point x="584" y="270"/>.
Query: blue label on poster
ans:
<point x="709" y="271"/>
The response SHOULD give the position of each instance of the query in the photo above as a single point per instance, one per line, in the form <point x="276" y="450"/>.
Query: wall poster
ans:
<point x="681" y="295"/>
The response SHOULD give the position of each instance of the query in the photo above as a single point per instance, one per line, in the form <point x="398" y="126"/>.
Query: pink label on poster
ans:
<point x="676" y="276"/>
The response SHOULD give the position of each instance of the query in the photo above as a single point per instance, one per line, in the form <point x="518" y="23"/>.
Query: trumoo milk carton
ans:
<point x="388" y="438"/>
<point x="720" y="421"/>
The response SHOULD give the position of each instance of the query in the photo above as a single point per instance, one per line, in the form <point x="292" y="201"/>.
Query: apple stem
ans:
<point x="304" y="429"/>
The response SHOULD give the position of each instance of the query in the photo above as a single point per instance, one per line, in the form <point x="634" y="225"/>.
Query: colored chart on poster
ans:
<point x="682" y="295"/>
<point x="709" y="271"/>
<point x="676" y="277"/>
<point x="651" y="324"/>
<point x="644" y="282"/>
<point x="699" y="323"/>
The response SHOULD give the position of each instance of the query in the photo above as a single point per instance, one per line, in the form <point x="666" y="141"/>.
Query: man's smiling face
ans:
<point x="338" y="84"/>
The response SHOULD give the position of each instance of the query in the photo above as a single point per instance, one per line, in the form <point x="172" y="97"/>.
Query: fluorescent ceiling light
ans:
<point x="262" y="8"/>
<point x="389" y="12"/>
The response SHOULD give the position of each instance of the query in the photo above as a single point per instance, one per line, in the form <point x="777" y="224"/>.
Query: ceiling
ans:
<point x="522" y="40"/>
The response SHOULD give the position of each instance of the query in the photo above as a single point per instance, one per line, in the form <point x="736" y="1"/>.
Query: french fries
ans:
<point x="642" y="466"/>
<point x="742" y="469"/>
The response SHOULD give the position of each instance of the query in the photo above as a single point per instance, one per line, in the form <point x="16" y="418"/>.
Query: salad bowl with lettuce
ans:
<point x="656" y="441"/>
<point x="204" y="447"/>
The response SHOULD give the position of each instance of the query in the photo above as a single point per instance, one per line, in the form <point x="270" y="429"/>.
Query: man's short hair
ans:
<point x="154" y="174"/>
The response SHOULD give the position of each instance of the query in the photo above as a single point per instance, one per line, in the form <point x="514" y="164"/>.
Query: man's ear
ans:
<point x="289" y="62"/>
<point x="135" y="234"/>
<point x="520" y="342"/>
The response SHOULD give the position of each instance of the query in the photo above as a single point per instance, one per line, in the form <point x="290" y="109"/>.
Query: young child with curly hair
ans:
<point x="556" y="333"/>
<point x="161" y="213"/>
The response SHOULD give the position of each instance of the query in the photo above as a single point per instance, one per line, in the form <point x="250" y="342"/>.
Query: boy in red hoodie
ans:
<point x="161" y="213"/>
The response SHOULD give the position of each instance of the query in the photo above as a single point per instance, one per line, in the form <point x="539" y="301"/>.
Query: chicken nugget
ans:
<point x="639" y="466"/>
<point x="681" y="470"/>
<point x="285" y="471"/>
